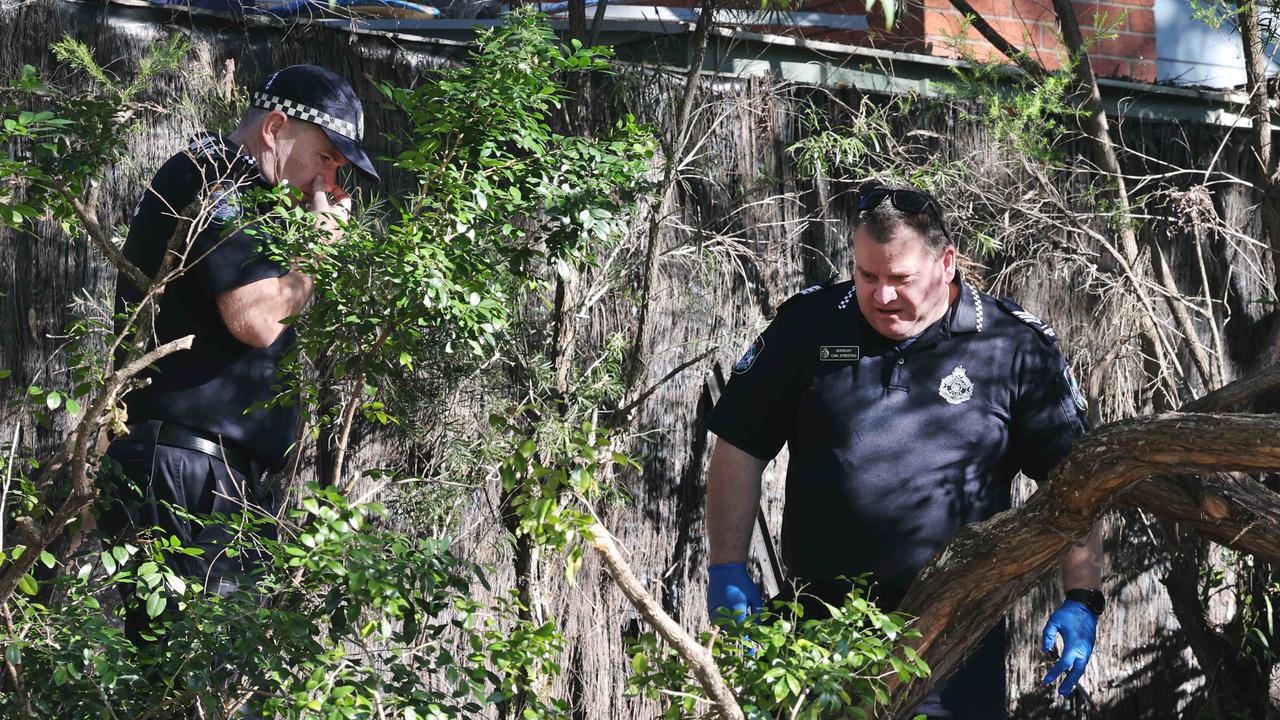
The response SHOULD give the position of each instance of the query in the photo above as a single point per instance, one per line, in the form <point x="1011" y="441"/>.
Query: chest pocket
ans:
<point x="949" y="404"/>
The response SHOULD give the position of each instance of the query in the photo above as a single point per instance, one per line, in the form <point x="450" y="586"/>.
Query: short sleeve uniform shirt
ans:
<point x="895" y="445"/>
<point x="214" y="385"/>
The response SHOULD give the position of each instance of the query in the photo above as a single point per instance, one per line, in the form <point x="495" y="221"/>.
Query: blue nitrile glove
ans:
<point x="729" y="586"/>
<point x="1079" y="628"/>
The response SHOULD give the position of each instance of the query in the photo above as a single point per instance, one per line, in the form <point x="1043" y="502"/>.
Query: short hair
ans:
<point x="252" y="117"/>
<point x="884" y="219"/>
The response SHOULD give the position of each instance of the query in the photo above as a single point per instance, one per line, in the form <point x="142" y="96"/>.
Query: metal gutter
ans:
<point x="738" y="53"/>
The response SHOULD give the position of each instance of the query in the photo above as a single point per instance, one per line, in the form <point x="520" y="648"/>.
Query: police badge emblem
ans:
<point x="749" y="357"/>
<point x="956" y="387"/>
<point x="223" y="201"/>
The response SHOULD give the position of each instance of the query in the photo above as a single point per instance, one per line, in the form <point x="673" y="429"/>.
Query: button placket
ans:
<point x="898" y="379"/>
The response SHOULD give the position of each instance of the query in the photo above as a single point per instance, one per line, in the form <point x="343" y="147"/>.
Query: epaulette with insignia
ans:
<point x="1042" y="329"/>
<point x="208" y="147"/>
<point x="807" y="291"/>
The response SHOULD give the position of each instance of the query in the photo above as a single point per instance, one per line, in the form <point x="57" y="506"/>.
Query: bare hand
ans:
<point x="331" y="213"/>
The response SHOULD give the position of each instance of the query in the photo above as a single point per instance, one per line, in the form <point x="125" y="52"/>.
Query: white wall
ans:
<point x="1188" y="52"/>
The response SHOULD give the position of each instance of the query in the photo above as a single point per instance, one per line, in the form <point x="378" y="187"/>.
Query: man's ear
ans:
<point x="949" y="263"/>
<point x="272" y="126"/>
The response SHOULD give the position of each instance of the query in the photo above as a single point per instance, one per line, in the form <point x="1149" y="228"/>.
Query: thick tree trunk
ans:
<point x="1255" y="68"/>
<point x="988" y="565"/>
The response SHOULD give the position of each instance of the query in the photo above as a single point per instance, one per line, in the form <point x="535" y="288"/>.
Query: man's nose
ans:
<point x="884" y="294"/>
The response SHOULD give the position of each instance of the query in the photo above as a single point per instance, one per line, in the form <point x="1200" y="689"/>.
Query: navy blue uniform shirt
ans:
<point x="895" y="445"/>
<point x="210" y="386"/>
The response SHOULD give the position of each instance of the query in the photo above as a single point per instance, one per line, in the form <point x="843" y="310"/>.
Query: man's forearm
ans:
<point x="297" y="289"/>
<point x="253" y="312"/>
<point x="1082" y="567"/>
<point x="733" y="496"/>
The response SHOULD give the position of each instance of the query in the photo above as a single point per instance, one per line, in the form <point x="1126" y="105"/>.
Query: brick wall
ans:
<point x="935" y="28"/>
<point x="1131" y="53"/>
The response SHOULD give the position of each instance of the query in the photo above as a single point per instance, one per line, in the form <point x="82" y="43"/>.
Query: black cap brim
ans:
<point x="352" y="151"/>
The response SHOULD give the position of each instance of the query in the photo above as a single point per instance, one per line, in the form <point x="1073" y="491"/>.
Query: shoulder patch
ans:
<point x="1042" y="329"/>
<point x="749" y="357"/>
<point x="807" y="291"/>
<point x="222" y="201"/>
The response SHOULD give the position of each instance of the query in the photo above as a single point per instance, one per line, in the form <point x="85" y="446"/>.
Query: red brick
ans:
<point x="1051" y="61"/>
<point x="838" y="7"/>
<point x="1109" y="67"/>
<point x="1099" y="15"/>
<point x="1049" y="37"/>
<point x="998" y="8"/>
<point x="1034" y="10"/>
<point x="1142" y="21"/>
<point x="1015" y="31"/>
<point x="1143" y="70"/>
<point x="1128" y="45"/>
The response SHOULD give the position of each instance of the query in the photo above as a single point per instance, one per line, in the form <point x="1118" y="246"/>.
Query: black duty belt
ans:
<point x="181" y="436"/>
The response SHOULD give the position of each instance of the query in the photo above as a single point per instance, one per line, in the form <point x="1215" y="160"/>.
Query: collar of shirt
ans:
<point x="228" y="158"/>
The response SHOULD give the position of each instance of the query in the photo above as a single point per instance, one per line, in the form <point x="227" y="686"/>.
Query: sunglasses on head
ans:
<point x="907" y="201"/>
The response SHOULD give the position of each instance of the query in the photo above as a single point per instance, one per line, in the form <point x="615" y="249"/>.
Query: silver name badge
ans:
<point x="839" y="353"/>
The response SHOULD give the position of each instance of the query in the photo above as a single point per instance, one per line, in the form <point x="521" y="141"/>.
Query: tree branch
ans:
<point x="703" y="666"/>
<point x="103" y="242"/>
<point x="74" y="452"/>
<point x="988" y="565"/>
<point x="1094" y="123"/>
<point x="1006" y="48"/>
<point x="1255" y="67"/>
<point x="639" y="356"/>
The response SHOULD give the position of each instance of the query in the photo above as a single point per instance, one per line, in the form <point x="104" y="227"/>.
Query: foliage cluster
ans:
<point x="60" y="141"/>
<point x="435" y="277"/>
<point x="784" y="665"/>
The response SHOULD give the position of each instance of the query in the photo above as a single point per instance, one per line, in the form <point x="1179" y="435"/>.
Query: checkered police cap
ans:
<point x="296" y="109"/>
<point x="325" y="99"/>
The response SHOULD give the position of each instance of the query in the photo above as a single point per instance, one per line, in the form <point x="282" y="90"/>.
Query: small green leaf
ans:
<point x="175" y="583"/>
<point x="47" y="559"/>
<point x="155" y="604"/>
<point x="28" y="585"/>
<point x="53" y="400"/>
<point x="13" y="653"/>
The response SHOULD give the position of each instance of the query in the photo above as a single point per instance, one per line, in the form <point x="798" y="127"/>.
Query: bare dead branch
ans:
<point x="74" y="453"/>
<point x="699" y="660"/>
<point x="98" y="236"/>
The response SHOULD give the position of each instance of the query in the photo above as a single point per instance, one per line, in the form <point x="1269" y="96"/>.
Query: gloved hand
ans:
<point x="729" y="586"/>
<point x="1079" y="628"/>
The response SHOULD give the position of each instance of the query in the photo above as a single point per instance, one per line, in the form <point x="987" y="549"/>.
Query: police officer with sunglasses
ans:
<point x="200" y="440"/>
<point x="908" y="400"/>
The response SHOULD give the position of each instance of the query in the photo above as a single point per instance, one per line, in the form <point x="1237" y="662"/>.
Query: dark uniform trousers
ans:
<point x="158" y="485"/>
<point x="160" y="482"/>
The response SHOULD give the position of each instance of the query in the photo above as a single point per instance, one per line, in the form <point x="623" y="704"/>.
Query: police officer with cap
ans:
<point x="198" y="440"/>
<point x="908" y="400"/>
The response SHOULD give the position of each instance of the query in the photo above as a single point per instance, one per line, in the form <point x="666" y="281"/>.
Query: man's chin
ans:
<point x="894" y="330"/>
